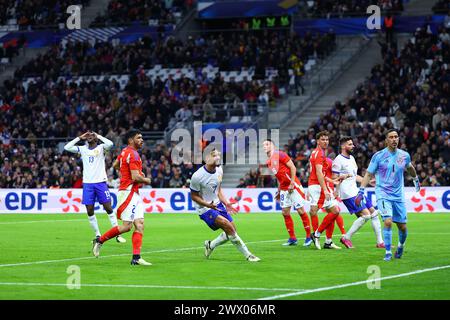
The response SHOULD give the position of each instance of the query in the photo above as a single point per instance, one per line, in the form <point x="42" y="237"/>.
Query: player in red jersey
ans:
<point x="130" y="209"/>
<point x="290" y="191"/>
<point x="319" y="192"/>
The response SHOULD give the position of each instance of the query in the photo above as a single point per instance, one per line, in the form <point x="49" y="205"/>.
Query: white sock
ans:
<point x="113" y="219"/>
<point x="400" y="245"/>
<point x="328" y="240"/>
<point x="94" y="225"/>
<point x="221" y="239"/>
<point x="317" y="234"/>
<point x="376" y="226"/>
<point x="240" y="245"/>
<point x="357" y="224"/>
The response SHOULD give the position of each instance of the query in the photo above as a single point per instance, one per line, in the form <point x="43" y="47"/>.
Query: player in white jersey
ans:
<point x="345" y="167"/>
<point x="213" y="207"/>
<point x="94" y="177"/>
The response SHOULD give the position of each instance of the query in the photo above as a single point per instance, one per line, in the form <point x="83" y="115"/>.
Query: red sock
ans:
<point x="330" y="230"/>
<point x="137" y="242"/>
<point x="329" y="218"/>
<point x="305" y="220"/>
<point x="315" y="222"/>
<point x="289" y="226"/>
<point x="340" y="223"/>
<point x="111" y="233"/>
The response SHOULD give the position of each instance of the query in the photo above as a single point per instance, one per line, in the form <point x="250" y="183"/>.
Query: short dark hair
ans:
<point x="324" y="133"/>
<point x="270" y="140"/>
<point x="131" y="134"/>
<point x="391" y="130"/>
<point x="344" y="139"/>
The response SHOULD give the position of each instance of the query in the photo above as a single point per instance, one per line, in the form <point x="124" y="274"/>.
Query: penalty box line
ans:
<point x="351" y="284"/>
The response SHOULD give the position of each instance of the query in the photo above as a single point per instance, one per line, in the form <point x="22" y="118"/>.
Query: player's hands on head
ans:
<point x="84" y="136"/>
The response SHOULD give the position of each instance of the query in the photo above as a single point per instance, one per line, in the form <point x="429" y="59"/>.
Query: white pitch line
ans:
<point x="146" y="286"/>
<point x="150" y="252"/>
<point x="117" y="255"/>
<point x="36" y="221"/>
<point x="353" y="283"/>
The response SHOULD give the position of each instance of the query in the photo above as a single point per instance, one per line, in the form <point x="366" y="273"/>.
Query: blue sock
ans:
<point x="387" y="235"/>
<point x="402" y="237"/>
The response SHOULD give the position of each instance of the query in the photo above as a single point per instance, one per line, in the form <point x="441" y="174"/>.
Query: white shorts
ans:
<point x="317" y="197"/>
<point x="289" y="199"/>
<point x="129" y="206"/>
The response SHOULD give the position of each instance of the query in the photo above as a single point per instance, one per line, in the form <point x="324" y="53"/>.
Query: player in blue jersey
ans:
<point x="387" y="166"/>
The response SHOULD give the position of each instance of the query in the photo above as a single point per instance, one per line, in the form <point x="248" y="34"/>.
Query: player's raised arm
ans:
<point x="108" y="143"/>
<point x="70" y="146"/>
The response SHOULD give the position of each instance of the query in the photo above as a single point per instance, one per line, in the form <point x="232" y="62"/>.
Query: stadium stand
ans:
<point x="349" y="8"/>
<point x="149" y="84"/>
<point x="35" y="14"/>
<point x="441" y="7"/>
<point x="150" y="12"/>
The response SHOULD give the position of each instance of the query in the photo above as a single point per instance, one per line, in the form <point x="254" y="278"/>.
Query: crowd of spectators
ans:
<point x="144" y="101"/>
<point x="37" y="13"/>
<point x="156" y="12"/>
<point x="37" y="167"/>
<point x="410" y="91"/>
<point x="38" y="116"/>
<point x="441" y="7"/>
<point x="350" y="8"/>
<point x="11" y="49"/>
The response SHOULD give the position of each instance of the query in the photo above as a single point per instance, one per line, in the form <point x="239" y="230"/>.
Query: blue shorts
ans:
<point x="353" y="208"/>
<point x="95" y="191"/>
<point x="392" y="209"/>
<point x="210" y="216"/>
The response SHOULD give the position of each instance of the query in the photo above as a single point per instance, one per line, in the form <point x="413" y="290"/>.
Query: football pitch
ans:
<point x="41" y="255"/>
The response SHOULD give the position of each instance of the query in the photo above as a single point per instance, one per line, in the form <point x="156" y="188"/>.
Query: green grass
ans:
<point x="33" y="238"/>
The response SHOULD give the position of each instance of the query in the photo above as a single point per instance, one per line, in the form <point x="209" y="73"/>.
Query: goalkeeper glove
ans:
<point x="417" y="183"/>
<point x="359" y="197"/>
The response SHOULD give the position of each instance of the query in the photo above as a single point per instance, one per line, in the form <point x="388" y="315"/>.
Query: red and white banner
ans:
<point x="65" y="201"/>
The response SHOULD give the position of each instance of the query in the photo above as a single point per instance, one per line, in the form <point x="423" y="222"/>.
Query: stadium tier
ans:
<point x="153" y="85"/>
<point x="348" y="8"/>
<point x="36" y="14"/>
<point x="153" y="12"/>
